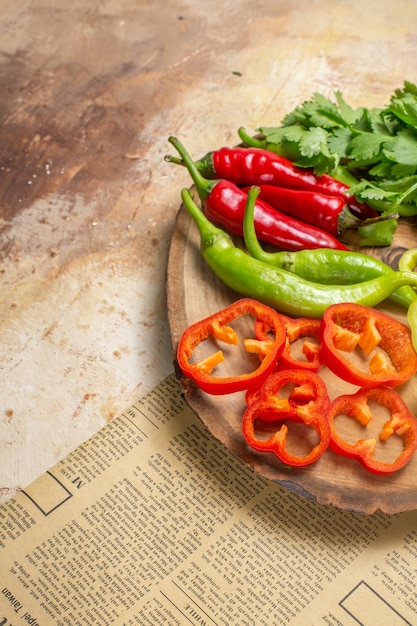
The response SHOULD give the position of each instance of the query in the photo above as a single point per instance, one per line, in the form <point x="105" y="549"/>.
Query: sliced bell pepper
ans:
<point x="217" y="327"/>
<point x="300" y="328"/>
<point x="292" y="395"/>
<point x="366" y="347"/>
<point x="401" y="422"/>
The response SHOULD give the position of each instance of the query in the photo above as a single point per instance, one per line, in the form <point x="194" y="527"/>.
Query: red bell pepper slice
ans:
<point x="217" y="328"/>
<point x="299" y="328"/>
<point x="305" y="329"/>
<point x="401" y="422"/>
<point x="366" y="347"/>
<point x="292" y="395"/>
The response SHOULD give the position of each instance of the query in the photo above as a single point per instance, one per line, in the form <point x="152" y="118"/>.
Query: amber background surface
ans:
<point x="89" y="94"/>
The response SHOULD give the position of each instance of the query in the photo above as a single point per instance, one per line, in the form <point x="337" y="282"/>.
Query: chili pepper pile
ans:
<point x="325" y="265"/>
<point x="296" y="209"/>
<point x="287" y="292"/>
<point x="385" y="343"/>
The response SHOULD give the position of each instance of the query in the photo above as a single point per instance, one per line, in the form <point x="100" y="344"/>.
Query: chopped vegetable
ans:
<point x="289" y="412"/>
<point x="218" y="327"/>
<point x="386" y="354"/>
<point x="266" y="419"/>
<point x="299" y="329"/>
<point x="357" y="406"/>
<point x="305" y="329"/>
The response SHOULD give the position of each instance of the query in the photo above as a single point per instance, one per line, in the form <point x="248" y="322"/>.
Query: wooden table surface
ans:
<point x="89" y="94"/>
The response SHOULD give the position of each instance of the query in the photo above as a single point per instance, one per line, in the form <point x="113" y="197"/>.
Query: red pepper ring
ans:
<point x="298" y="328"/>
<point x="216" y="327"/>
<point x="307" y="403"/>
<point x="386" y="345"/>
<point x="401" y="422"/>
<point x="252" y="395"/>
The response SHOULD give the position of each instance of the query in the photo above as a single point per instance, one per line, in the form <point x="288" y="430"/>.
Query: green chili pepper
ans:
<point x="408" y="261"/>
<point x="412" y="321"/>
<point x="278" y="288"/>
<point x="326" y="266"/>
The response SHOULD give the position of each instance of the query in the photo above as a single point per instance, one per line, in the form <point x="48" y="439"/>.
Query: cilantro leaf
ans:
<point x="408" y="88"/>
<point x="366" y="147"/>
<point x="349" y="115"/>
<point x="278" y="134"/>
<point x="379" y="234"/>
<point x="297" y="116"/>
<point x="314" y="141"/>
<point x="377" y="146"/>
<point x="405" y="108"/>
<point x="382" y="169"/>
<point x="338" y="141"/>
<point x="367" y="190"/>
<point x="400" y="171"/>
<point x="380" y="123"/>
<point x="405" y="187"/>
<point x="324" y="118"/>
<point x="403" y="148"/>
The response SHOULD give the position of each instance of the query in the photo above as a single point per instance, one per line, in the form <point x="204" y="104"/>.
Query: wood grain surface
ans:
<point x="195" y="292"/>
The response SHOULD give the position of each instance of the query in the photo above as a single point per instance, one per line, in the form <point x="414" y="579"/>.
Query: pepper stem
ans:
<point x="171" y="159"/>
<point x="347" y="219"/>
<point x="249" y="232"/>
<point x="204" y="165"/>
<point x="203" y="186"/>
<point x="250" y="141"/>
<point x="209" y="233"/>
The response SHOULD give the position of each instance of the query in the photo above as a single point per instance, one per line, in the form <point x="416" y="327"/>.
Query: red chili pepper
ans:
<point x="299" y="329"/>
<point x="217" y="328"/>
<point x="401" y="422"/>
<point x="224" y="203"/>
<point x="226" y="207"/>
<point x="307" y="403"/>
<point x="380" y="348"/>
<point x="330" y="213"/>
<point x="257" y="166"/>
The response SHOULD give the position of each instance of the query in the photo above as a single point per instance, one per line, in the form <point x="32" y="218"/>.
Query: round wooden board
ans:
<point x="194" y="292"/>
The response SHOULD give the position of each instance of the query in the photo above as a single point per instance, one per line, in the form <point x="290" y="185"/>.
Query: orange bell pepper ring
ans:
<point x="217" y="331"/>
<point x="401" y="422"/>
<point x="303" y="331"/>
<point x="366" y="347"/>
<point x="292" y="395"/>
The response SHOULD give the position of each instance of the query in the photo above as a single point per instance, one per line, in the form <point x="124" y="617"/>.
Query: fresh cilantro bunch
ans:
<point x="373" y="150"/>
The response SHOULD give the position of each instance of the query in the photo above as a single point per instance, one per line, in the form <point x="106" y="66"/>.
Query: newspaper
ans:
<point x="153" y="521"/>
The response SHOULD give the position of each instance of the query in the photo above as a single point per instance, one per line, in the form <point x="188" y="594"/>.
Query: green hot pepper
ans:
<point x="408" y="263"/>
<point x="279" y="288"/>
<point x="324" y="265"/>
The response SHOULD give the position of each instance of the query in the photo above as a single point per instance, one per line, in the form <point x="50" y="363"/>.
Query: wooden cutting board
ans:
<point x="194" y="292"/>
